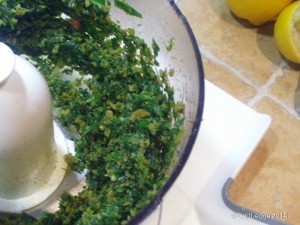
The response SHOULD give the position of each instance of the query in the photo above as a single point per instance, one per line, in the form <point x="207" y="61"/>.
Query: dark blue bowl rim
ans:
<point x="187" y="151"/>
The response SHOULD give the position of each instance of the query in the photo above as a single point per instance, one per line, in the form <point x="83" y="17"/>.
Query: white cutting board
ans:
<point x="228" y="135"/>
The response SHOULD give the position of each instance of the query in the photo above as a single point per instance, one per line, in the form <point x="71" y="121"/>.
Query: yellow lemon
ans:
<point x="257" y="12"/>
<point x="286" y="32"/>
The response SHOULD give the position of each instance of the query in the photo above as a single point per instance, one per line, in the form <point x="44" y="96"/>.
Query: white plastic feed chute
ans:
<point x="32" y="164"/>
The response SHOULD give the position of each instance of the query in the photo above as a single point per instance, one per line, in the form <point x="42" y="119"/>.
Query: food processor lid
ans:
<point x="7" y="62"/>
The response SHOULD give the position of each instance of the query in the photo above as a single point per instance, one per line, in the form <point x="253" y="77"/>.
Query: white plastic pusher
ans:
<point x="32" y="150"/>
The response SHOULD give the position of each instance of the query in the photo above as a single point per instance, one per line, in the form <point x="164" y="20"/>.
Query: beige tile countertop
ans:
<point x="243" y="61"/>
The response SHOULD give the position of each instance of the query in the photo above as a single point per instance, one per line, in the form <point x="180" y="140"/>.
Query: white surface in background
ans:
<point x="229" y="133"/>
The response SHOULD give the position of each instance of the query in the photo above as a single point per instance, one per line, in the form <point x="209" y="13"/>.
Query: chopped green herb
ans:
<point x="127" y="8"/>
<point x="118" y="110"/>
<point x="170" y="45"/>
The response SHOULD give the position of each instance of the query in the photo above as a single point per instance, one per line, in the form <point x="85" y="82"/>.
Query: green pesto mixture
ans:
<point x="118" y="109"/>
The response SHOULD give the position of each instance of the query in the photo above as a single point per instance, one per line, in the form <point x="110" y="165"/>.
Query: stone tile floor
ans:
<point x="243" y="61"/>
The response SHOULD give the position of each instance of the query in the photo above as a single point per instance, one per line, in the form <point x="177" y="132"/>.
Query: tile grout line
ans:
<point x="262" y="91"/>
<point x="223" y="64"/>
